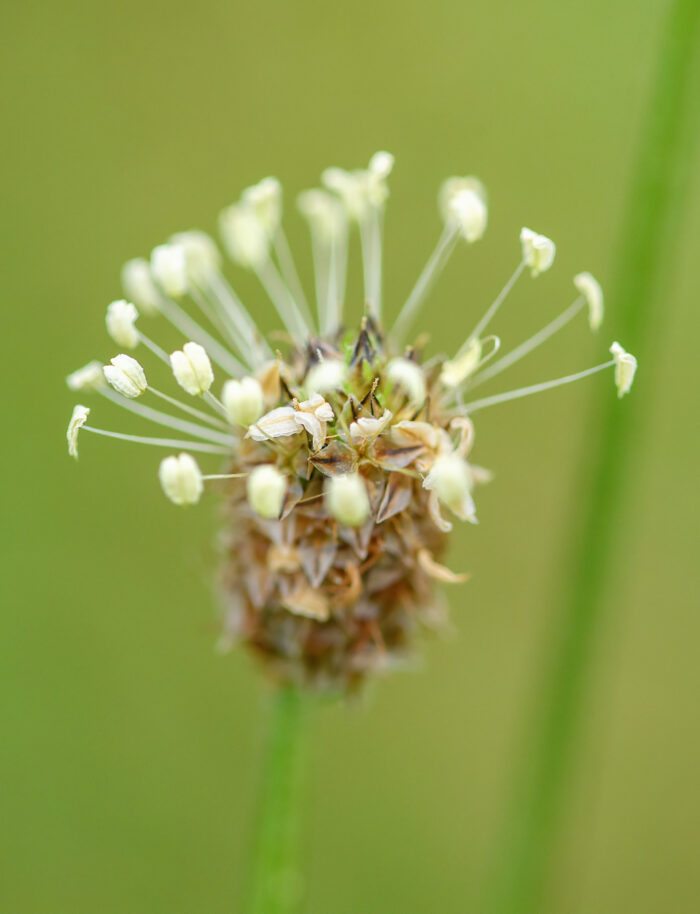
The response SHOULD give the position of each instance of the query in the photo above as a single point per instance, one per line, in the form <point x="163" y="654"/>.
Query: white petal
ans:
<point x="278" y="423"/>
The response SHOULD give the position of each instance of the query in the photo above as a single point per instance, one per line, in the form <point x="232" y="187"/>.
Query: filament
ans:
<point x="533" y="389"/>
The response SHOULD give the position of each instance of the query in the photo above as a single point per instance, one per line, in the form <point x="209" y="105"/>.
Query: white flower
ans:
<point x="368" y="427"/>
<point x="265" y="200"/>
<point x="243" y="401"/>
<point x="89" y="377"/>
<point x="326" y="215"/>
<point x="451" y="481"/>
<point x="326" y="376"/>
<point x="138" y="284"/>
<point x="77" y="421"/>
<point x="589" y="287"/>
<point x="202" y="256"/>
<point x="364" y="189"/>
<point x="462" y="201"/>
<point x="625" y="368"/>
<point x="120" y="321"/>
<point x="312" y="415"/>
<point x="169" y="269"/>
<point x="126" y="376"/>
<point x="538" y="251"/>
<point x="408" y="375"/>
<point x="181" y="479"/>
<point x="347" y="499"/>
<point x="244" y="235"/>
<point x="192" y="369"/>
<point x="452" y="187"/>
<point x="266" y="489"/>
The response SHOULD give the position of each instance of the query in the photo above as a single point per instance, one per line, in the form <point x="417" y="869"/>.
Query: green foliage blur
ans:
<point x="130" y="750"/>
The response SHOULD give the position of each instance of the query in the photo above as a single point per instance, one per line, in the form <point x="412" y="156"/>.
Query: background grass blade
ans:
<point x="654" y="208"/>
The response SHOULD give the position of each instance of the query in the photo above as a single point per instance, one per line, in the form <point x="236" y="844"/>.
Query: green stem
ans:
<point x="276" y="886"/>
<point x="653" y="210"/>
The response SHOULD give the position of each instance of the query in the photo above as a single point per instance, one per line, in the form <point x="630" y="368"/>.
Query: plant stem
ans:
<point x="653" y="209"/>
<point x="277" y="885"/>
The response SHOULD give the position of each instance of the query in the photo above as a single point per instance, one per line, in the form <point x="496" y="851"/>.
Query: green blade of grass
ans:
<point x="654" y="208"/>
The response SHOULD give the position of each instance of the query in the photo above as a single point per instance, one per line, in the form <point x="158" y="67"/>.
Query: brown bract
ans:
<point x="320" y="603"/>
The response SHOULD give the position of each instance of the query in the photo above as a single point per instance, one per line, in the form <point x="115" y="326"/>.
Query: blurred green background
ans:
<point x="130" y="751"/>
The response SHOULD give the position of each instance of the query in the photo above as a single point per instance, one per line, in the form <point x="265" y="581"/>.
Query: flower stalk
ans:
<point x="277" y="884"/>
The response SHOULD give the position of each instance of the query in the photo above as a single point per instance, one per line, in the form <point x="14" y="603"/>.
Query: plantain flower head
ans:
<point x="341" y="453"/>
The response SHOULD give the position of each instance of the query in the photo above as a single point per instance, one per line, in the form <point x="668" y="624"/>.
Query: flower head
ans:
<point x="347" y="455"/>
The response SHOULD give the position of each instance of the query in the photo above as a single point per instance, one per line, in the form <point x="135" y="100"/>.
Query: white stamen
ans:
<point x="181" y="479"/>
<point x="120" y="320"/>
<point x="161" y="418"/>
<point x="469" y="358"/>
<point x="154" y="347"/>
<point x="625" y="369"/>
<point x="530" y="344"/>
<point x="265" y="200"/>
<point x="451" y="480"/>
<point x="89" y="377"/>
<point x="290" y="274"/>
<point x="243" y="401"/>
<point x="534" y="389"/>
<point x="432" y="269"/>
<point x="192" y="369"/>
<point x="590" y="288"/>
<point x="77" y="421"/>
<point x="283" y="301"/>
<point x="190" y="328"/>
<point x="139" y="287"/>
<point x="161" y="442"/>
<point x="201" y="254"/>
<point x="245" y="238"/>
<point x="256" y="349"/>
<point x="347" y="500"/>
<point x="186" y="408"/>
<point x="169" y="269"/>
<point x="266" y="489"/>
<point x="498" y="301"/>
<point x="126" y="376"/>
<point x="538" y="251"/>
<point x="328" y="226"/>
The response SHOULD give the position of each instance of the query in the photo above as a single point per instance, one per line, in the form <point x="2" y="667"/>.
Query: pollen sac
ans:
<point x="169" y="269"/>
<point x="138" y="284"/>
<point x="625" y="369"/>
<point x="266" y="490"/>
<point x="126" y="376"/>
<point x="89" y="377"/>
<point x="243" y="401"/>
<point x="590" y="288"/>
<point x="120" y="321"/>
<point x="202" y="257"/>
<point x="538" y="251"/>
<point x="181" y="479"/>
<point x="347" y="500"/>
<point x="77" y="421"/>
<point x="192" y="369"/>
<point x="462" y="202"/>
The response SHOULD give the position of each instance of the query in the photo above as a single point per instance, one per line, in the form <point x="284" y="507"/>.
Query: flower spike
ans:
<point x="345" y="454"/>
